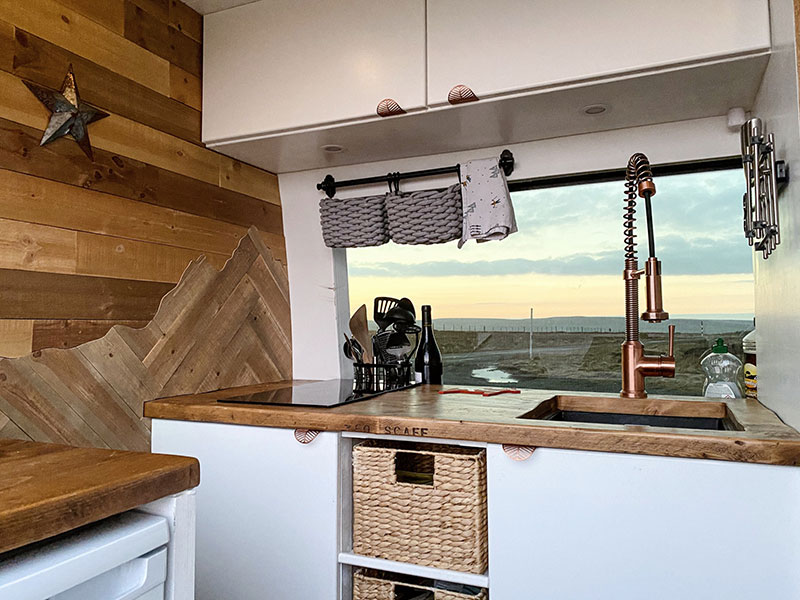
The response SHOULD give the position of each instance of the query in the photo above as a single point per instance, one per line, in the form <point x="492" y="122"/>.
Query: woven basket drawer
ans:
<point x="421" y="503"/>
<point x="355" y="222"/>
<point x="426" y="217"/>
<point x="376" y="585"/>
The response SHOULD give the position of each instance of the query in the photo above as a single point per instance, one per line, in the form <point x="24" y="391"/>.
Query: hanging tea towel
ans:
<point x="488" y="212"/>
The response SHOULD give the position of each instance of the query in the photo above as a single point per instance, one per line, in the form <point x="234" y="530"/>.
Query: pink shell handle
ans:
<point x="389" y="108"/>
<point x="305" y="436"/>
<point x="461" y="94"/>
<point x="518" y="453"/>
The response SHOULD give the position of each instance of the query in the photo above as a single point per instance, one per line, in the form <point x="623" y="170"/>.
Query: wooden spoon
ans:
<point x="360" y="331"/>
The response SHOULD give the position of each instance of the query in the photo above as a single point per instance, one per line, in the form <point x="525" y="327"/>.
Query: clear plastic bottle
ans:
<point x="750" y="368"/>
<point x="722" y="371"/>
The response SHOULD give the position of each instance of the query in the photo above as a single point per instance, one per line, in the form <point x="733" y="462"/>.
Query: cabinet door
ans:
<point x="570" y="525"/>
<point x="280" y="64"/>
<point x="266" y="510"/>
<point x="506" y="45"/>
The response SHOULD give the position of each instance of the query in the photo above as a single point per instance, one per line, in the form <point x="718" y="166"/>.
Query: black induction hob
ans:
<point x="331" y="392"/>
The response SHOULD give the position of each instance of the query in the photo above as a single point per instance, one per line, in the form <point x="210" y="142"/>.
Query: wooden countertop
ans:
<point x="760" y="436"/>
<point x="48" y="489"/>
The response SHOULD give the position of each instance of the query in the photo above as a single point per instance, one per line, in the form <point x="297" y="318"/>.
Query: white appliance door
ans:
<point x="120" y="558"/>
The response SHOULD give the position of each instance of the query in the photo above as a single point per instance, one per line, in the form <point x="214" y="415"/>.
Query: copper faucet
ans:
<point x="636" y="365"/>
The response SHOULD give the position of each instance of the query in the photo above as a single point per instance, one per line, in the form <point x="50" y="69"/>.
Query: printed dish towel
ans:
<point x="488" y="212"/>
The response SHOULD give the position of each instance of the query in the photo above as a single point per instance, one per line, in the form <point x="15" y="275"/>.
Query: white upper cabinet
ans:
<point x="278" y="65"/>
<point x="507" y="46"/>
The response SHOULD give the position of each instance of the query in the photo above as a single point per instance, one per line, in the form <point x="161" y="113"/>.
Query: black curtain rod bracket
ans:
<point x="329" y="185"/>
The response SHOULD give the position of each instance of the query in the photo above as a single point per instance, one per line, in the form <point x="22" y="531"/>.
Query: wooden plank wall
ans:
<point x="85" y="245"/>
<point x="215" y="329"/>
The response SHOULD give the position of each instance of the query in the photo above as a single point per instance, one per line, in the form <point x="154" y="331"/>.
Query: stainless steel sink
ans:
<point x="674" y="414"/>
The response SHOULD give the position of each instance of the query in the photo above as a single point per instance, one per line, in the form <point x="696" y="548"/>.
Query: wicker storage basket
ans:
<point x="376" y="585"/>
<point x="427" y="217"/>
<point x="354" y="222"/>
<point x="421" y="503"/>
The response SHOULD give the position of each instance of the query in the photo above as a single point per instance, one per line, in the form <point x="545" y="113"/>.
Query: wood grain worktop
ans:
<point x="48" y="489"/>
<point x="756" y="434"/>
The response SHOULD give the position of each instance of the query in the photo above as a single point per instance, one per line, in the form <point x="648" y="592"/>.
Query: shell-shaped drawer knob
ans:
<point x="389" y="108"/>
<point x="305" y="436"/>
<point x="461" y="94"/>
<point x="518" y="453"/>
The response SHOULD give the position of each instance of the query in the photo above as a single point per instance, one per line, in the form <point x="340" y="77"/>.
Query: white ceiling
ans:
<point x="205" y="7"/>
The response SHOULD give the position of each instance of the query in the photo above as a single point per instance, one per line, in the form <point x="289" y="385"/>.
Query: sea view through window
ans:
<point x="566" y="265"/>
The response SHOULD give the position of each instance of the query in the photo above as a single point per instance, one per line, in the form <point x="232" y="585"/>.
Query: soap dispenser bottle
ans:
<point x="722" y="371"/>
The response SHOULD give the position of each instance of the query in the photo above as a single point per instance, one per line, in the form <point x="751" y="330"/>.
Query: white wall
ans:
<point x="318" y="275"/>
<point x="778" y="278"/>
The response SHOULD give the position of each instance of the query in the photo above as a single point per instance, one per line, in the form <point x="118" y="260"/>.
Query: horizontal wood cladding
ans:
<point x="16" y="339"/>
<point x="64" y="333"/>
<point x="108" y="13"/>
<point x="128" y="178"/>
<point x="71" y="30"/>
<point x="214" y="329"/>
<point x="125" y="137"/>
<point x="44" y="63"/>
<point x="32" y="247"/>
<point x="86" y="244"/>
<point x="186" y="20"/>
<point x="162" y="39"/>
<point x="185" y="87"/>
<point x="36" y="295"/>
<point x="157" y="8"/>
<point x="45" y="202"/>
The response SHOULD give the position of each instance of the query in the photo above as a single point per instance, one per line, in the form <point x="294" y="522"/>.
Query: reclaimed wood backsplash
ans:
<point x="85" y="245"/>
<point x="215" y="329"/>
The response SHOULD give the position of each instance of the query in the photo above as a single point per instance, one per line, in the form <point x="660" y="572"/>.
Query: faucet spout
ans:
<point x="636" y="365"/>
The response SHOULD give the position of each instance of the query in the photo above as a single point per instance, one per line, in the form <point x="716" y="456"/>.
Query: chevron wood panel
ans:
<point x="215" y="329"/>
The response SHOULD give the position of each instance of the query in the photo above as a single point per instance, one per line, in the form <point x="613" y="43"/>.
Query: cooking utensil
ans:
<point x="357" y="351"/>
<point x="360" y="331"/>
<point x="401" y="318"/>
<point x="348" y="347"/>
<point x="408" y="305"/>
<point x="382" y="305"/>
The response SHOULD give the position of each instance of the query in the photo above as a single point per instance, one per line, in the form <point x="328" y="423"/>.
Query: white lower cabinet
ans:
<point x="574" y="525"/>
<point x="266" y="510"/>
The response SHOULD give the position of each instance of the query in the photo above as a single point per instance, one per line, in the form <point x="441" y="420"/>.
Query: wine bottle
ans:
<point x="428" y="363"/>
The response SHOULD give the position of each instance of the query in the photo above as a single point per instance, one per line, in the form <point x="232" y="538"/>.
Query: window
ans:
<point x="566" y="264"/>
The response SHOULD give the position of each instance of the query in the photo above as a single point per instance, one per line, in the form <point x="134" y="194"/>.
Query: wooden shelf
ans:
<point x="348" y="558"/>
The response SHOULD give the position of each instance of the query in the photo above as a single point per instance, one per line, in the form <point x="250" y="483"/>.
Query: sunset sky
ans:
<point x="567" y="258"/>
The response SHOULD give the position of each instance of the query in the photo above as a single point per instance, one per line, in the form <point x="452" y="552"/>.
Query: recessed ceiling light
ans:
<point x="594" y="109"/>
<point x="332" y="148"/>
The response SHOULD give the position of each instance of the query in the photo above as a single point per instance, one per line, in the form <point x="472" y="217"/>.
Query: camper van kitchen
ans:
<point x="429" y="300"/>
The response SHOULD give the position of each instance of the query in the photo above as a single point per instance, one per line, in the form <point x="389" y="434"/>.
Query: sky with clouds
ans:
<point x="567" y="257"/>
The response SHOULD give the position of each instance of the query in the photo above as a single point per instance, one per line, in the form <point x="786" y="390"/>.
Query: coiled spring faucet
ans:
<point x="636" y="365"/>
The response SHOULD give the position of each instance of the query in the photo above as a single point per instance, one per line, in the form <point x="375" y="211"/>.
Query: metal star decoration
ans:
<point x="69" y="114"/>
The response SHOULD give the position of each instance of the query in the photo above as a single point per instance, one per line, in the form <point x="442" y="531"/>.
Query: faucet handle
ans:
<point x="671" y="341"/>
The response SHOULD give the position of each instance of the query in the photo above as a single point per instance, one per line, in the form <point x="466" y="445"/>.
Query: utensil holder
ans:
<point x="370" y="378"/>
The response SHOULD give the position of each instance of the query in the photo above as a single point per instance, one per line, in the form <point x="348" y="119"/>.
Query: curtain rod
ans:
<point x="329" y="185"/>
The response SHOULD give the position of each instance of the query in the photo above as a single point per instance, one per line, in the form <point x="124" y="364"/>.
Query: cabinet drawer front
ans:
<point x="574" y="524"/>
